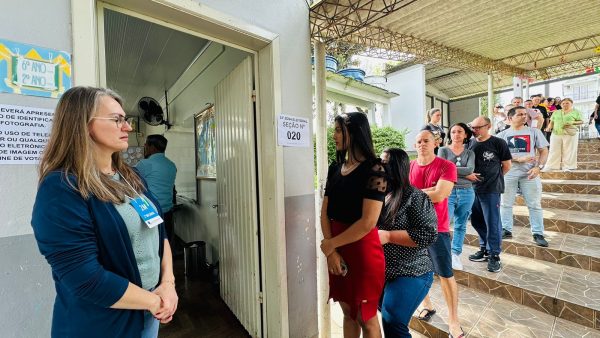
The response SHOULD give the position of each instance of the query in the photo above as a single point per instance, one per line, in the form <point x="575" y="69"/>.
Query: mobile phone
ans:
<point x="344" y="269"/>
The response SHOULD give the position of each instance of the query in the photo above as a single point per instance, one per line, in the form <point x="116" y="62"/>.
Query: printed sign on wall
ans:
<point x="24" y="132"/>
<point x="292" y="131"/>
<point x="32" y="70"/>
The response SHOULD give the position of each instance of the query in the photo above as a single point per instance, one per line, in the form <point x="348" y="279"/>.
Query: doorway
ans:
<point x="183" y="73"/>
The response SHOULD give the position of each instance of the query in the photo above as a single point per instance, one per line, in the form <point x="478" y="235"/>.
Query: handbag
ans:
<point x="571" y="131"/>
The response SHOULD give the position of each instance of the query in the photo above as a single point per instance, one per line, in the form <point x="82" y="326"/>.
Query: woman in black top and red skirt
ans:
<point x="354" y="195"/>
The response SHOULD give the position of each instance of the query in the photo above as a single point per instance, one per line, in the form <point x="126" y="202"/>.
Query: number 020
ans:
<point x="293" y="135"/>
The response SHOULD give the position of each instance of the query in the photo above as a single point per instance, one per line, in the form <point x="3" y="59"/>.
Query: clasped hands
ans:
<point x="166" y="307"/>
<point x="334" y="259"/>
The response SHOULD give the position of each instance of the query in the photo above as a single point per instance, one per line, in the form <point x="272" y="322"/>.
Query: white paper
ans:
<point x="24" y="132"/>
<point x="533" y="123"/>
<point x="293" y="131"/>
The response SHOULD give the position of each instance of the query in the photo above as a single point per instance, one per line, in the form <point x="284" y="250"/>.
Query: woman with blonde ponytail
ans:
<point x="98" y="226"/>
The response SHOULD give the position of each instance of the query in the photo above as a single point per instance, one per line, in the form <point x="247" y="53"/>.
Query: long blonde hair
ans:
<point x="70" y="148"/>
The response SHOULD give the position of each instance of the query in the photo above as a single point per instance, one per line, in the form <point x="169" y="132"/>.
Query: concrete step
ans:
<point x="485" y="315"/>
<point x="571" y="186"/>
<point x="588" y="165"/>
<point x="590" y="174"/>
<point x="584" y="223"/>
<point x="559" y="200"/>
<point x="568" y="293"/>
<point x="588" y="157"/>
<point x="564" y="249"/>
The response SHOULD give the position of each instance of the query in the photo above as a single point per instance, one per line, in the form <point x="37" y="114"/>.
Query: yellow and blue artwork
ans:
<point x="32" y="70"/>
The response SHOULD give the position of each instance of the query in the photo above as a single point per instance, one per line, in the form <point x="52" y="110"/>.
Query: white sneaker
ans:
<point x="456" y="263"/>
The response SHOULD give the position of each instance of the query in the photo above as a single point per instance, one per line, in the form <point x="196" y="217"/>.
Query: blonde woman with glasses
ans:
<point x="99" y="227"/>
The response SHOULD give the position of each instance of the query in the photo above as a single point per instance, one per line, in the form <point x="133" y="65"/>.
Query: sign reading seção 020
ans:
<point x="33" y="70"/>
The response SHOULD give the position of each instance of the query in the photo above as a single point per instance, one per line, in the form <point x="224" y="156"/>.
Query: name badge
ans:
<point x="146" y="211"/>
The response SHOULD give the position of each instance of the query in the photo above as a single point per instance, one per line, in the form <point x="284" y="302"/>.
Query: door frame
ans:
<point x="202" y="21"/>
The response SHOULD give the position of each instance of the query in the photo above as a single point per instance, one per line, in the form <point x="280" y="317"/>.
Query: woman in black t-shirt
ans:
<point x="434" y="116"/>
<point x="354" y="195"/>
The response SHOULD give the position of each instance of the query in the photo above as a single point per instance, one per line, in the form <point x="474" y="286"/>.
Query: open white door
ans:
<point x="236" y="197"/>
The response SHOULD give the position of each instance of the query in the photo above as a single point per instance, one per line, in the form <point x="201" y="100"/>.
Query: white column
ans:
<point x="321" y="139"/>
<point x="526" y="90"/>
<point x="490" y="96"/>
<point x="517" y="87"/>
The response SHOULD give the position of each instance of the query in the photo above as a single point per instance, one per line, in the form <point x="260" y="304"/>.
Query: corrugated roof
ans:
<point x="540" y="39"/>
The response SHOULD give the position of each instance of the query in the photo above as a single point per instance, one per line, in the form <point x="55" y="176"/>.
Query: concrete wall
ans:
<point x="408" y="110"/>
<point x="26" y="286"/>
<point x="464" y="110"/>
<point x="289" y="20"/>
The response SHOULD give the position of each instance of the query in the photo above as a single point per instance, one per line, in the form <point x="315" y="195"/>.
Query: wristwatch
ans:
<point x="540" y="166"/>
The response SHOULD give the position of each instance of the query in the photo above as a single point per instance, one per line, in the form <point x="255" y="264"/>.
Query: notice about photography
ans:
<point x="24" y="133"/>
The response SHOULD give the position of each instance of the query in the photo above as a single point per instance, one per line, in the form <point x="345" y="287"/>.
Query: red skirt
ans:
<point x="363" y="284"/>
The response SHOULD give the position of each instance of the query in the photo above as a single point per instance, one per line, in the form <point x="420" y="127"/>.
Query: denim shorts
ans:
<point x="441" y="256"/>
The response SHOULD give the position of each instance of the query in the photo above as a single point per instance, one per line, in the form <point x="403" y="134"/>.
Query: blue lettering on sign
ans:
<point x="38" y="80"/>
<point x="38" y="67"/>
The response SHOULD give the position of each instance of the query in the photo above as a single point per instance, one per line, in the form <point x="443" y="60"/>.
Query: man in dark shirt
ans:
<point x="492" y="161"/>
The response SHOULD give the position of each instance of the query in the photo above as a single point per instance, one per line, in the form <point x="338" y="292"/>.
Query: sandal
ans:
<point x="461" y="335"/>
<point x="428" y="314"/>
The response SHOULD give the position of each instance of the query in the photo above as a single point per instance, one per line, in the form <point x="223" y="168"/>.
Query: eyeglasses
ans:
<point x="479" y="127"/>
<point x="119" y="119"/>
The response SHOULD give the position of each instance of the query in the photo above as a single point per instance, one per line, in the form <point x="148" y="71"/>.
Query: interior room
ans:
<point x="170" y="80"/>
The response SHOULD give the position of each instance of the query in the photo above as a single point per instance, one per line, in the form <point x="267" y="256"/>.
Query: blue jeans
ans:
<point x="532" y="193"/>
<point x="597" y="125"/>
<point x="151" y="326"/>
<point x="485" y="218"/>
<point x="460" y="203"/>
<point x="400" y="299"/>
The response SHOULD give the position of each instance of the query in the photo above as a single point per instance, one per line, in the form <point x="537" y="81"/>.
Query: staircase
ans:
<point x="540" y="292"/>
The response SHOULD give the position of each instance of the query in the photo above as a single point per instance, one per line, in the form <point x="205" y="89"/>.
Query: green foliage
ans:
<point x="385" y="137"/>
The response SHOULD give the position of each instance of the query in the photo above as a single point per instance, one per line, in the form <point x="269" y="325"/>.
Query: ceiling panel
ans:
<point x="143" y="58"/>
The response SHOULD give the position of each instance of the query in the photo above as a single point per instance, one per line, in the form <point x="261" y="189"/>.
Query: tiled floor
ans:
<point x="483" y="315"/>
<point x="337" y="319"/>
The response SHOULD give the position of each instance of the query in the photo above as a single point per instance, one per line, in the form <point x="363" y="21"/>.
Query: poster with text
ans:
<point x="24" y="132"/>
<point x="32" y="70"/>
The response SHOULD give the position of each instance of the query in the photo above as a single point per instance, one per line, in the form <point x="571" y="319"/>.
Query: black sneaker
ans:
<point x="494" y="264"/>
<point x="479" y="256"/>
<point x="539" y="240"/>
<point x="506" y="234"/>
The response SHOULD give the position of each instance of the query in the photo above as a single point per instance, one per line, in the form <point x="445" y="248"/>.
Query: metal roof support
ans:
<point x="334" y="19"/>
<point x="554" y="51"/>
<point x="490" y="97"/>
<point x="399" y="46"/>
<point x="568" y="68"/>
<point x="321" y="139"/>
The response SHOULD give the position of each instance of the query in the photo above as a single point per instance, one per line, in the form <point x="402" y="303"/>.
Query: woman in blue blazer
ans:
<point x="98" y="226"/>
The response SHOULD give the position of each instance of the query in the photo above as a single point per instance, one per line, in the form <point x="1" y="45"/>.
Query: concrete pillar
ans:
<point x="386" y="118"/>
<point x="526" y="90"/>
<point x="490" y="96"/>
<point x="517" y="87"/>
<point x="321" y="139"/>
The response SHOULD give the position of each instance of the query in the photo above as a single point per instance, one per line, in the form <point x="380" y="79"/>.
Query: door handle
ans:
<point x="214" y="206"/>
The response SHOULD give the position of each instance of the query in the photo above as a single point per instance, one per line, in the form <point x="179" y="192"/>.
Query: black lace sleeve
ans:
<point x="377" y="182"/>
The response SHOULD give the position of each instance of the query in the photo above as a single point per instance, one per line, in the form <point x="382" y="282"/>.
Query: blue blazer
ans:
<point x="89" y="250"/>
